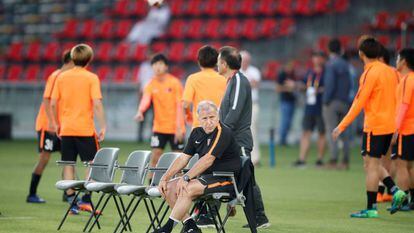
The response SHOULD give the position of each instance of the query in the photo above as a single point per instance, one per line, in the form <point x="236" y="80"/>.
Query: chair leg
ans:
<point x="119" y="213"/>
<point x="97" y="218"/>
<point x="152" y="220"/>
<point x="164" y="214"/>
<point x="125" y="213"/>
<point x="132" y="213"/>
<point x="157" y="213"/>
<point x="93" y="212"/>
<point x="68" y="210"/>
<point x="220" y="221"/>
<point x="124" y="210"/>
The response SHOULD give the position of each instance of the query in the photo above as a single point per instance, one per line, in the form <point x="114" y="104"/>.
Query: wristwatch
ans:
<point x="186" y="178"/>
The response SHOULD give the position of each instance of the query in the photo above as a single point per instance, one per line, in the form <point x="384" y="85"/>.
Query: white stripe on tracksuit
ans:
<point x="236" y="95"/>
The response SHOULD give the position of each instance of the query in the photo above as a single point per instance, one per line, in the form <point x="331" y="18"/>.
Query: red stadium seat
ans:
<point x="122" y="29"/>
<point x="267" y="7"/>
<point x="33" y="51"/>
<point x="341" y="5"/>
<point x="323" y="43"/>
<point x="87" y="30"/>
<point x="400" y="18"/>
<point x="384" y="40"/>
<point x="230" y="29"/>
<point x="51" y="51"/>
<point x="178" y="72"/>
<point x="382" y="20"/>
<point x="134" y="76"/>
<point x="69" y="30"/>
<point x="346" y="42"/>
<point x="286" y="26"/>
<point x="192" y="51"/>
<point x="249" y="29"/>
<point x="178" y="8"/>
<point x="212" y="7"/>
<point x="322" y="6"/>
<point x="176" y="29"/>
<point x="268" y="28"/>
<point x="121" y="8"/>
<point x="103" y="73"/>
<point x="105" y="29"/>
<point x="32" y="73"/>
<point x="120" y="74"/>
<point x="194" y="7"/>
<point x="2" y="72"/>
<point x="104" y="52"/>
<point x="15" y="51"/>
<point x="303" y="7"/>
<point x="140" y="53"/>
<point x="122" y="52"/>
<point x="247" y="7"/>
<point x="212" y="29"/>
<point x="68" y="45"/>
<point x="230" y="7"/>
<point x="140" y="8"/>
<point x="271" y="69"/>
<point x="159" y="47"/>
<point x="14" y="73"/>
<point x="176" y="51"/>
<point x="195" y="27"/>
<point x="284" y="7"/>
<point x="48" y="70"/>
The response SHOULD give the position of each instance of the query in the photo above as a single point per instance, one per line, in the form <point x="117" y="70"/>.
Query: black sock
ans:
<point x="34" y="183"/>
<point x="372" y="200"/>
<point x="381" y="189"/>
<point x="168" y="227"/>
<point x="412" y="195"/>
<point x="389" y="183"/>
<point x="86" y="197"/>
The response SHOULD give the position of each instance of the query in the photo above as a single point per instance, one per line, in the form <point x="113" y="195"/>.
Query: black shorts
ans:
<point x="47" y="141"/>
<point x="375" y="145"/>
<point x="404" y="148"/>
<point x="86" y="147"/>
<point x="159" y="140"/>
<point x="311" y="121"/>
<point x="216" y="184"/>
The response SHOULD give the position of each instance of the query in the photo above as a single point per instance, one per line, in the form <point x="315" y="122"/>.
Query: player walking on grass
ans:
<point x="403" y="139"/>
<point x="165" y="92"/>
<point x="375" y="95"/>
<point x="77" y="92"/>
<point x="48" y="141"/>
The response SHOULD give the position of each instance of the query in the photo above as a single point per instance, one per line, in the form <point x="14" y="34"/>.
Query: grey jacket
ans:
<point x="236" y="110"/>
<point x="337" y="80"/>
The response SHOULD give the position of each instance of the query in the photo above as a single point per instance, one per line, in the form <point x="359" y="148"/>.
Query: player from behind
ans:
<point x="206" y="84"/>
<point x="77" y="92"/>
<point x="403" y="139"/>
<point x="165" y="92"/>
<point x="375" y="96"/>
<point x="48" y="142"/>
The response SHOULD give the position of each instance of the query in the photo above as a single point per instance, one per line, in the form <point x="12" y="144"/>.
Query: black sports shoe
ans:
<point x="299" y="164"/>
<point x="260" y="223"/>
<point x="205" y="221"/>
<point x="319" y="163"/>
<point x="191" y="227"/>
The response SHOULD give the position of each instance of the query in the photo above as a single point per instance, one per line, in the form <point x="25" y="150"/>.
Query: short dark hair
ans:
<point x="207" y="56"/>
<point x="385" y="55"/>
<point x="408" y="55"/>
<point x="81" y="54"/>
<point x="371" y="48"/>
<point x="66" y="56"/>
<point x="159" y="57"/>
<point x="334" y="46"/>
<point x="231" y="56"/>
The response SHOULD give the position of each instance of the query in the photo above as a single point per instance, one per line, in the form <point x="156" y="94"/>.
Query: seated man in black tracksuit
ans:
<point x="218" y="151"/>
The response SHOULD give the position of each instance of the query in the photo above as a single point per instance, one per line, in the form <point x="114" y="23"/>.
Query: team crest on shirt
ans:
<point x="208" y="141"/>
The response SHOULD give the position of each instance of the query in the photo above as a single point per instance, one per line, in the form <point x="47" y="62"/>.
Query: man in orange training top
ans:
<point x="78" y="94"/>
<point x="48" y="141"/>
<point x="206" y="84"/>
<point x="404" y="145"/>
<point x="165" y="92"/>
<point x="375" y="96"/>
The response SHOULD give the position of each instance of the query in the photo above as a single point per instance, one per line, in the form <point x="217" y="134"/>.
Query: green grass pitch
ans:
<point x="306" y="200"/>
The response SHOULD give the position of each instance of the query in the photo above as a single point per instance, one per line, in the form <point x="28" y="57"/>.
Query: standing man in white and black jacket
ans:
<point x="236" y="113"/>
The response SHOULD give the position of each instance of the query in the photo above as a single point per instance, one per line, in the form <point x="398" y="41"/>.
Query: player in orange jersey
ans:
<point x="48" y="142"/>
<point x="165" y="92"/>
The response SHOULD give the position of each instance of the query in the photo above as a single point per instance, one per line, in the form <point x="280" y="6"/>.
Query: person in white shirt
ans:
<point x="253" y="75"/>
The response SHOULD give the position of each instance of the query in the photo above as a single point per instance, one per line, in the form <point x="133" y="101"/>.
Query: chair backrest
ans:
<point x="165" y="161"/>
<point x="140" y="160"/>
<point x="104" y="161"/>
<point x="192" y="161"/>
